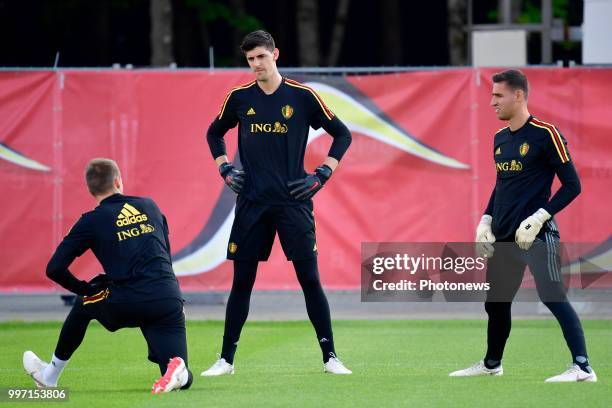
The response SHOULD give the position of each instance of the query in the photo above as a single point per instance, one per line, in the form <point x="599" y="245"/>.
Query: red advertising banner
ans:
<point x="420" y="168"/>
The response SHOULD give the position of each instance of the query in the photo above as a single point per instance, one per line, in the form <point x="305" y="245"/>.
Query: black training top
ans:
<point x="526" y="162"/>
<point x="272" y="136"/>
<point x="129" y="237"/>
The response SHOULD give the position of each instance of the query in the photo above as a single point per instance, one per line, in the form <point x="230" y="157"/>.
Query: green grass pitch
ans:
<point x="395" y="363"/>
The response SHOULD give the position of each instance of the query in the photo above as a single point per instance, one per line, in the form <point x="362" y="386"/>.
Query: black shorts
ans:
<point x="255" y="226"/>
<point x="162" y="323"/>
<point x="506" y="268"/>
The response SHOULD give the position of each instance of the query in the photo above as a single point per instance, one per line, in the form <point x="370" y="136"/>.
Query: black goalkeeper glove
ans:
<point x="307" y="187"/>
<point x="98" y="284"/>
<point x="233" y="177"/>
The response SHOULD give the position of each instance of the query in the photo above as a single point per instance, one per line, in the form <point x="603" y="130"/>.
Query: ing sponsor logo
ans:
<point x="135" y="232"/>
<point x="277" y="127"/>
<point x="513" y="165"/>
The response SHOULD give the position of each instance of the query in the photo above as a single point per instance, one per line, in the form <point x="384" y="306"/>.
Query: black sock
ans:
<point x="316" y="305"/>
<point x="572" y="332"/>
<point x="583" y="363"/>
<point x="228" y="349"/>
<point x="491" y="364"/>
<point x="327" y="348"/>
<point x="238" y="306"/>
<point x="498" y="330"/>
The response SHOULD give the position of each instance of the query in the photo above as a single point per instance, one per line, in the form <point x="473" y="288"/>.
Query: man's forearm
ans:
<point x="331" y="163"/>
<point x="342" y="138"/>
<point x="215" y="138"/>
<point x="570" y="189"/>
<point x="490" y="205"/>
<point x="221" y="159"/>
<point x="62" y="276"/>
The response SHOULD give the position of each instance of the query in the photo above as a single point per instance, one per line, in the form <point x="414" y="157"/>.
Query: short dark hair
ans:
<point x="100" y="175"/>
<point x="259" y="38"/>
<point x="514" y="78"/>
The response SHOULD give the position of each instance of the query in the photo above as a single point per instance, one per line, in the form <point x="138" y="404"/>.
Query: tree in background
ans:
<point x="457" y="37"/>
<point x="308" y="32"/>
<point x="162" y="51"/>
<point x="392" y="32"/>
<point x="209" y="13"/>
<point x="158" y="32"/>
<point x="337" y="38"/>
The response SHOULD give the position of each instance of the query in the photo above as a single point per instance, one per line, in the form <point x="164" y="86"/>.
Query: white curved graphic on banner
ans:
<point x="12" y="156"/>
<point x="358" y="119"/>
<point x="208" y="256"/>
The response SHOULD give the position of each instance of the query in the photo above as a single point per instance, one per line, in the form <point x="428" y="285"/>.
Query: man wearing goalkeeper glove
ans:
<point x="275" y="194"/>
<point x="518" y="228"/>
<point x="129" y="237"/>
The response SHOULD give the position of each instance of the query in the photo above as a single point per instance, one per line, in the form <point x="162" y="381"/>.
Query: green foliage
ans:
<point x="492" y="16"/>
<point x="561" y="9"/>
<point x="210" y="11"/>
<point x="532" y="14"/>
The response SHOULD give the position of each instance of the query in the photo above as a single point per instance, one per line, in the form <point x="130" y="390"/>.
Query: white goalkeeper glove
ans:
<point x="484" y="237"/>
<point x="530" y="227"/>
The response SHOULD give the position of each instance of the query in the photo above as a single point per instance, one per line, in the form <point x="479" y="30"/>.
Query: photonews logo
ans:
<point x="269" y="128"/>
<point x="129" y="215"/>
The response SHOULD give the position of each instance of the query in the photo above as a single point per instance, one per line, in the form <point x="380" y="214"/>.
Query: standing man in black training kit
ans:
<point x="528" y="153"/>
<point x="274" y="192"/>
<point x="129" y="237"/>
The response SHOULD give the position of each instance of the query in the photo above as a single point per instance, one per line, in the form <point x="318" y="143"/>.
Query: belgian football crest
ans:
<point x="232" y="247"/>
<point x="287" y="111"/>
<point x="524" y="149"/>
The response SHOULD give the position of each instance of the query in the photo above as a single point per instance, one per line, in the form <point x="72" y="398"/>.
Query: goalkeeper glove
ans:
<point x="307" y="187"/>
<point x="530" y="227"/>
<point x="484" y="237"/>
<point x="98" y="284"/>
<point x="233" y="177"/>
